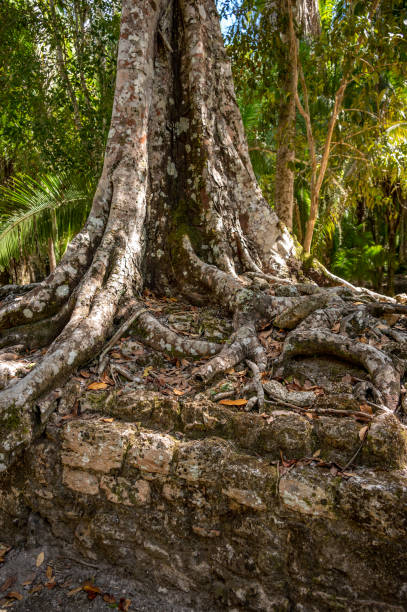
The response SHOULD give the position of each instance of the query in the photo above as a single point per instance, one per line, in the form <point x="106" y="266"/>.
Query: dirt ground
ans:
<point x="59" y="583"/>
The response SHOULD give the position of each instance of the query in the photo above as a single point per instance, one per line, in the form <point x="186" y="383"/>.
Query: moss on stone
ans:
<point x="11" y="420"/>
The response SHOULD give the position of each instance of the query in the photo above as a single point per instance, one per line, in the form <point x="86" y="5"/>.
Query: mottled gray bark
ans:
<point x="176" y="164"/>
<point x="177" y="206"/>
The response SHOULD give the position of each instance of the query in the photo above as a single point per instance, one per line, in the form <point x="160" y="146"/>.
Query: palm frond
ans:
<point x="26" y="206"/>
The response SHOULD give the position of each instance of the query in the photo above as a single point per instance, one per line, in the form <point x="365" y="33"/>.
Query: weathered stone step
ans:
<point x="281" y="432"/>
<point x="207" y="517"/>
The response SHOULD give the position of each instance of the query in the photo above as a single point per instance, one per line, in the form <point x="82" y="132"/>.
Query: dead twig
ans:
<point x="257" y="383"/>
<point x="122" y="329"/>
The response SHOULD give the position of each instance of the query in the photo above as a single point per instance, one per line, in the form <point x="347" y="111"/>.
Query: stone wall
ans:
<point x="193" y="496"/>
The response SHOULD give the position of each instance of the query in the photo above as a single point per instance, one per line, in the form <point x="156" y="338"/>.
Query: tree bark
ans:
<point x="298" y="16"/>
<point x="177" y="209"/>
<point x="284" y="181"/>
<point x="176" y="172"/>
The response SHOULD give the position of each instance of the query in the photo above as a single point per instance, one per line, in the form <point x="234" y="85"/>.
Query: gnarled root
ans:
<point x="383" y="373"/>
<point x="88" y="318"/>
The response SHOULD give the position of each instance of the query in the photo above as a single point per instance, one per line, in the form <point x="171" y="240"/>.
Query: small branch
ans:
<point x="122" y="329"/>
<point x="257" y="383"/>
<point x="165" y="41"/>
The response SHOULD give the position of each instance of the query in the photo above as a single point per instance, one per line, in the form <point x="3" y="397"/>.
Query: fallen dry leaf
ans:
<point x="366" y="408"/>
<point x="49" y="572"/>
<point x="335" y="328"/>
<point x="317" y="453"/>
<point x="97" y="385"/>
<point x="14" y="595"/>
<point x="147" y="371"/>
<point x="106" y="379"/>
<point x="51" y="584"/>
<point x="109" y="598"/>
<point x="91" y="588"/>
<point x="178" y="392"/>
<point x="74" y="591"/>
<point x="116" y="355"/>
<point x="8" y="583"/>
<point x="124" y="604"/>
<point x="236" y="402"/>
<point x="363" y="432"/>
<point x="40" y="559"/>
<point x="84" y="374"/>
<point x="4" y="549"/>
<point x="107" y="420"/>
<point x="35" y="589"/>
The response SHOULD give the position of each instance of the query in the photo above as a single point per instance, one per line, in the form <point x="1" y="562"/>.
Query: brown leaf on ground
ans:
<point x="106" y="379"/>
<point x="74" y="591"/>
<point x="366" y="408"/>
<point x="236" y="402"/>
<point x="36" y="589"/>
<point x="49" y="572"/>
<point x="178" y="392"/>
<point x="109" y="598"/>
<point x="3" y="551"/>
<point x="8" y="583"/>
<point x="363" y="432"/>
<point x="124" y="604"/>
<point x="40" y="559"/>
<point x="91" y="588"/>
<point x="84" y="374"/>
<point x="107" y="420"/>
<point x="95" y="386"/>
<point x="14" y="595"/>
<point x="335" y="328"/>
<point x="116" y="355"/>
<point x="51" y="584"/>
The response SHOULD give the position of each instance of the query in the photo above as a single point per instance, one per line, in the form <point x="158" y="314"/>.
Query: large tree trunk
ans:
<point x="176" y="172"/>
<point x="177" y="208"/>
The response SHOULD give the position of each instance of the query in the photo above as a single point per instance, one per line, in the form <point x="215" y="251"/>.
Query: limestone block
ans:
<point x="121" y="491"/>
<point x="80" y="481"/>
<point x="95" y="445"/>
<point x="152" y="452"/>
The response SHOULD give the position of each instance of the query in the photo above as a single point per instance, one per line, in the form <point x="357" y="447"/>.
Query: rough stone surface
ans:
<point x="226" y="509"/>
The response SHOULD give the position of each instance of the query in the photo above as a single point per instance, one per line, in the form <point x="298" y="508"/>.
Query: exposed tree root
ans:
<point x="360" y="291"/>
<point x="257" y="383"/>
<point x="11" y="291"/>
<point x="384" y="375"/>
<point x="310" y="316"/>
<point x="176" y="162"/>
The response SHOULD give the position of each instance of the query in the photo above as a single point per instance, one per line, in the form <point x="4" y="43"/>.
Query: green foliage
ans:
<point x="57" y="74"/>
<point x="27" y="208"/>
<point x="357" y="257"/>
<point x="367" y="160"/>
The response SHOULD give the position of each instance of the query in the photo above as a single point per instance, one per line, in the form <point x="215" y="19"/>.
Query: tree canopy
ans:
<point x="58" y="64"/>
